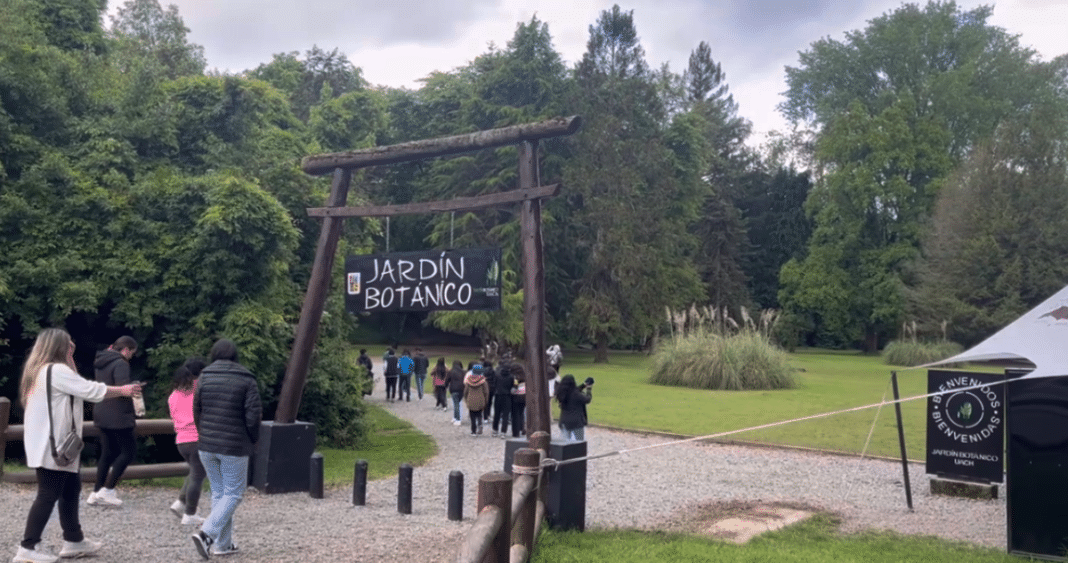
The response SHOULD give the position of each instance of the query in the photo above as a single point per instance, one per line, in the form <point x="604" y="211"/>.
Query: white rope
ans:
<point x="871" y="431"/>
<point x="880" y="404"/>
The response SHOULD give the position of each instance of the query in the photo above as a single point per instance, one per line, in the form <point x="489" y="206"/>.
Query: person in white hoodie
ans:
<point x="52" y="357"/>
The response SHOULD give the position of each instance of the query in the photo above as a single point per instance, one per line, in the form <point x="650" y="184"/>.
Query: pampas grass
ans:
<point x="704" y="359"/>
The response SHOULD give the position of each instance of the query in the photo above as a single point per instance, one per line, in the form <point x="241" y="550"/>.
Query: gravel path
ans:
<point x="647" y="489"/>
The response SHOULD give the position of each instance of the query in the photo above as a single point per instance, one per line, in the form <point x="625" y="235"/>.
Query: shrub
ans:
<point x="912" y="353"/>
<point x="705" y="360"/>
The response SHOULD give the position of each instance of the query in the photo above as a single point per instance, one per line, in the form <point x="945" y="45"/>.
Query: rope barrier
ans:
<point x="867" y="442"/>
<point x="557" y="463"/>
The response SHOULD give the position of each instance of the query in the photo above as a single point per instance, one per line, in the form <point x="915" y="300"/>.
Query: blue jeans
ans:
<point x="405" y="386"/>
<point x="576" y="435"/>
<point x="420" y="382"/>
<point x="456" y="398"/>
<point x="228" y="477"/>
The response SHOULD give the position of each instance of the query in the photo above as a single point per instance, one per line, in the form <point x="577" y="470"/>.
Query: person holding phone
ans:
<point x="116" y="418"/>
<point x="573" y="401"/>
<point x="56" y="485"/>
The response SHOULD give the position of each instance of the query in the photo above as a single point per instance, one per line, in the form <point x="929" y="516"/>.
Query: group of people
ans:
<point x="398" y="372"/>
<point x="216" y="410"/>
<point x="493" y="396"/>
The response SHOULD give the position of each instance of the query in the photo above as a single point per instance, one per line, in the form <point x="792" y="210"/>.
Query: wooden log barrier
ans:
<point x="144" y="427"/>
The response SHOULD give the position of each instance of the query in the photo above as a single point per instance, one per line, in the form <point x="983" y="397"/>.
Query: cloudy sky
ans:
<point x="400" y="41"/>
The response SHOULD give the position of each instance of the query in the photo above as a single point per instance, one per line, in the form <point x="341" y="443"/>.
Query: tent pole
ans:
<point x="901" y="440"/>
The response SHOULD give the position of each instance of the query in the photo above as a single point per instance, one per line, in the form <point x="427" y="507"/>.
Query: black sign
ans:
<point x="966" y="425"/>
<point x="437" y="280"/>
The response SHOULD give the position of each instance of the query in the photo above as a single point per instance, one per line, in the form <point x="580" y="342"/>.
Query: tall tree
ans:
<point x="895" y="106"/>
<point x="720" y="230"/>
<point x="147" y="34"/>
<point x="628" y="244"/>
<point x="997" y="240"/>
<point x="303" y="79"/>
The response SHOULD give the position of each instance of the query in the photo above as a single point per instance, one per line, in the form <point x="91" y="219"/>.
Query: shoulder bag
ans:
<point x="70" y="447"/>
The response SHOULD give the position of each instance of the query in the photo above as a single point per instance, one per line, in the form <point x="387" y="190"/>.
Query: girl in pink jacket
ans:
<point x="185" y="437"/>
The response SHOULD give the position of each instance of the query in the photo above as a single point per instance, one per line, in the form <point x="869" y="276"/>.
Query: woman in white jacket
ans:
<point x="56" y="484"/>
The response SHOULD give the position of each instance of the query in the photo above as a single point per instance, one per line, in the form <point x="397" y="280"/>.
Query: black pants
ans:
<point x="476" y="420"/>
<point x="117" y="448"/>
<point x="52" y="486"/>
<point x="502" y="412"/>
<point x="439" y="396"/>
<point x="519" y="411"/>
<point x="391" y="387"/>
<point x="487" y="412"/>
<point x="194" y="482"/>
<point x="406" y="386"/>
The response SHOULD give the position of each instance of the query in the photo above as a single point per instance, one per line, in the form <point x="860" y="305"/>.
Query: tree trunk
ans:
<point x="871" y="341"/>
<point x="600" y="350"/>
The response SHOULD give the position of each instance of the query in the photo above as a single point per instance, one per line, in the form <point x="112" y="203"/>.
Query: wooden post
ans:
<point x="540" y="441"/>
<point x="526" y="461"/>
<point x="495" y="489"/>
<point x="314" y="300"/>
<point x="5" y="412"/>
<point x="533" y="293"/>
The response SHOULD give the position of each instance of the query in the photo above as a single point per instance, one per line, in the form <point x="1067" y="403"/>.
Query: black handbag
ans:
<point x="70" y="447"/>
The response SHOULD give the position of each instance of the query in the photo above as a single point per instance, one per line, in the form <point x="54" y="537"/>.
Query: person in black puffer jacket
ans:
<point x="116" y="420"/>
<point x="227" y="412"/>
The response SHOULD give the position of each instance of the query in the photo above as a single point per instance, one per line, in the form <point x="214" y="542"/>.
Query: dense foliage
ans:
<point x="141" y="195"/>
<point x="896" y="108"/>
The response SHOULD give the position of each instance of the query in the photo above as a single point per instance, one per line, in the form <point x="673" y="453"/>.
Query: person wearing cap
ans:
<point x="476" y="395"/>
<point x="573" y="401"/>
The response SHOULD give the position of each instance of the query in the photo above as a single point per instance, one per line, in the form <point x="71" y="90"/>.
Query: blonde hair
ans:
<point x="51" y="347"/>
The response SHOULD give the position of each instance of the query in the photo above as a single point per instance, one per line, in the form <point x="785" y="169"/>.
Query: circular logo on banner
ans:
<point x="966" y="416"/>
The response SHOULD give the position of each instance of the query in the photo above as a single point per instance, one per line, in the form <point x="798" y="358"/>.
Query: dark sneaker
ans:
<point x="203" y="543"/>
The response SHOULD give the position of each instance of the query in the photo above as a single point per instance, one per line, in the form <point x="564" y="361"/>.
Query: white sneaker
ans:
<point x="191" y="519"/>
<point x="178" y="508"/>
<point x="93" y="500"/>
<point x="456" y="423"/>
<point x="80" y="549"/>
<point x="224" y="552"/>
<point x="108" y="497"/>
<point x="24" y="555"/>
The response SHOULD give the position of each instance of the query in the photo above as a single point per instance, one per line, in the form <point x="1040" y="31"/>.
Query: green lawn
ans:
<point x="829" y="382"/>
<point x="812" y="541"/>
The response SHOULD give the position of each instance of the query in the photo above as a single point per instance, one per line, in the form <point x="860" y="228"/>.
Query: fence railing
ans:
<point x="143" y="427"/>
<point x="510" y="509"/>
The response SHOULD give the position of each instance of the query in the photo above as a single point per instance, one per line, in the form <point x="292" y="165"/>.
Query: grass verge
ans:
<point x="815" y="540"/>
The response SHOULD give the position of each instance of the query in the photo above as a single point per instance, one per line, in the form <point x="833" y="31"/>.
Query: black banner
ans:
<point x="435" y="280"/>
<point x="966" y="428"/>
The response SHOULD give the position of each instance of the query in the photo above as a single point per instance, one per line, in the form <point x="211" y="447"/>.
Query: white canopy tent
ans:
<point x="1039" y="337"/>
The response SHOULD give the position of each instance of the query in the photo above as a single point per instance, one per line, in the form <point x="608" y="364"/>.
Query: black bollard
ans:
<point x="359" y="483"/>
<point x="404" y="489"/>
<point x="315" y="476"/>
<point x="456" y="495"/>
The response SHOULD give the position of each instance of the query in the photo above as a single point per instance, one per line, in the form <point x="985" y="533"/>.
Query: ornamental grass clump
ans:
<point x="703" y="359"/>
<point x="913" y="353"/>
<point x="912" y="350"/>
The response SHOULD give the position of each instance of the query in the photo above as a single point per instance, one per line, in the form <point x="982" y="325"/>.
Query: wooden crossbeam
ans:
<point x="456" y="204"/>
<point x="427" y="148"/>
